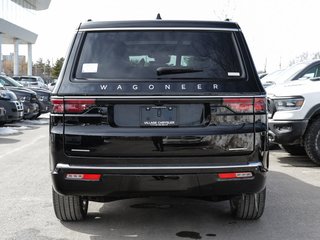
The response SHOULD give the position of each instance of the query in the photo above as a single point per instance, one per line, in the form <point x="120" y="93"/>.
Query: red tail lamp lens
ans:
<point x="246" y="105"/>
<point x="58" y="106"/>
<point x="72" y="105"/>
<point x="92" y="177"/>
<point x="78" y="105"/>
<point x="235" y="175"/>
<point x="260" y="105"/>
<point x="241" y="105"/>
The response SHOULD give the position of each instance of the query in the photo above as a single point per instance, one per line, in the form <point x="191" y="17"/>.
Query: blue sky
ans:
<point x="276" y="30"/>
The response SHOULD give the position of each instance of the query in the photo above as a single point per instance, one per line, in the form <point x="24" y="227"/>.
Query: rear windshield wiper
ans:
<point x="176" y="70"/>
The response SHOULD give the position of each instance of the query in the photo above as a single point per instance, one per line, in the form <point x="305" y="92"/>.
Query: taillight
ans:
<point x="246" y="105"/>
<point x="72" y="105"/>
<point x="260" y="105"/>
<point x="83" y="176"/>
<point x="235" y="175"/>
<point x="58" y="106"/>
<point x="77" y="105"/>
<point x="239" y="105"/>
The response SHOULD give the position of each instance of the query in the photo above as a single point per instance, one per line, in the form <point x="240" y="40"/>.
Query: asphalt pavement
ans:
<point x="26" y="212"/>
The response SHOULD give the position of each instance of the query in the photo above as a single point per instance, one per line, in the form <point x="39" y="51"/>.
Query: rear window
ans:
<point x="159" y="54"/>
<point x="28" y="79"/>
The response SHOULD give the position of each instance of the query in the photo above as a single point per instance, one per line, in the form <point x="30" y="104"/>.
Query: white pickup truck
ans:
<point x="294" y="117"/>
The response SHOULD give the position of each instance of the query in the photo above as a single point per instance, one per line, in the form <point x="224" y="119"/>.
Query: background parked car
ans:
<point x="3" y="115"/>
<point x="300" y="71"/>
<point x="27" y="97"/>
<point x="31" y="81"/>
<point x="9" y="101"/>
<point x="43" y="95"/>
<point x="52" y="84"/>
<point x="294" y="117"/>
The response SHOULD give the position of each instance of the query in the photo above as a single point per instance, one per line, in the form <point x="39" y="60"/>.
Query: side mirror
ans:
<point x="268" y="84"/>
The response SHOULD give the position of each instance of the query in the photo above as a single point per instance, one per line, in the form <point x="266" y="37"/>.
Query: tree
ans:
<point x="47" y="69"/>
<point x="7" y="67"/>
<point x="39" y="67"/>
<point x="57" y="68"/>
<point x="305" y="56"/>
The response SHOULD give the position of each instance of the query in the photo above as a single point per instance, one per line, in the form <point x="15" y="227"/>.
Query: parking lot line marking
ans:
<point x="22" y="147"/>
<point x="311" y="171"/>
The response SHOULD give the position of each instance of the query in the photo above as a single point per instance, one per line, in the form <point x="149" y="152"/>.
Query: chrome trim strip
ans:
<point x="80" y="150"/>
<point x="238" y="149"/>
<point x="154" y="97"/>
<point x="67" y="166"/>
<point x="158" y="28"/>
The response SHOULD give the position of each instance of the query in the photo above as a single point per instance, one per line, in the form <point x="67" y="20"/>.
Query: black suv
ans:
<point x="26" y="96"/>
<point x="149" y="108"/>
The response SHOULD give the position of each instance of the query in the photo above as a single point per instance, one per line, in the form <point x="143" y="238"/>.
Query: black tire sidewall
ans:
<point x="312" y="141"/>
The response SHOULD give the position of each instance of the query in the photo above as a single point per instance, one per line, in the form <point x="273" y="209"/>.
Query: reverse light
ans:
<point x="235" y="175"/>
<point x="288" y="104"/>
<point x="83" y="176"/>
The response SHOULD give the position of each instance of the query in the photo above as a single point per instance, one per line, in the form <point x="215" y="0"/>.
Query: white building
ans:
<point x="14" y="18"/>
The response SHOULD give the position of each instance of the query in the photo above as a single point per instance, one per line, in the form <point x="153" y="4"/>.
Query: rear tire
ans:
<point x="69" y="208"/>
<point x="38" y="114"/>
<point x="249" y="206"/>
<point x="312" y="141"/>
<point x="295" y="150"/>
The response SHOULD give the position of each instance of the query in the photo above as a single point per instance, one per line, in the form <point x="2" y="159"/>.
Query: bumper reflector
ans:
<point x="235" y="175"/>
<point x="84" y="177"/>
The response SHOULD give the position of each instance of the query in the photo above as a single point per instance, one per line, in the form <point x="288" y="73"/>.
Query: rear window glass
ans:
<point x="28" y="79"/>
<point x="159" y="54"/>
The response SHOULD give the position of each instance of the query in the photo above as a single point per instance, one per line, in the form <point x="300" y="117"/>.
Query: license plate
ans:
<point x="158" y="116"/>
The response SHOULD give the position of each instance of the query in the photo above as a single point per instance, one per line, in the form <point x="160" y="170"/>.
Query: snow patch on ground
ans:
<point x="18" y="127"/>
<point x="45" y="115"/>
<point x="34" y="122"/>
<point x="4" y="131"/>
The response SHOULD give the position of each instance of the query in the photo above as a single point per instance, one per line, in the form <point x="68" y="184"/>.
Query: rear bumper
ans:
<point x="30" y="110"/>
<point x="119" y="182"/>
<point x="45" y="106"/>
<point x="287" y="132"/>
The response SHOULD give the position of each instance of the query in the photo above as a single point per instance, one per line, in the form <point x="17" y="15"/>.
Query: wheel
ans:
<point x="312" y="141"/>
<point x="248" y="206"/>
<point x="296" y="150"/>
<point x="69" y="208"/>
<point x="38" y="114"/>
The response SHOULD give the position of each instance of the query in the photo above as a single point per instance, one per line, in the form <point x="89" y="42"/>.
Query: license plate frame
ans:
<point x="158" y="116"/>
